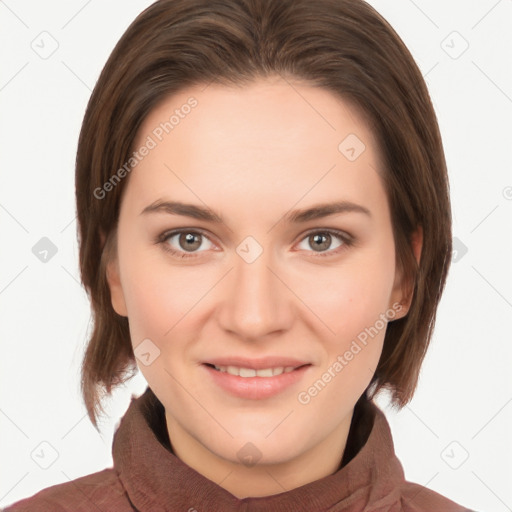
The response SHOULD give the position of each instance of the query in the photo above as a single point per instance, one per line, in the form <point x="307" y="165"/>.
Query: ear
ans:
<point x="403" y="291"/>
<point x="113" y="274"/>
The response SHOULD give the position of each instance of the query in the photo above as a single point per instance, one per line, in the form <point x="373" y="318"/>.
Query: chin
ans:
<point x="249" y="446"/>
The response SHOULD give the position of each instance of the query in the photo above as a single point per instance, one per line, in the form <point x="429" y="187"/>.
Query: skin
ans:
<point x="252" y="154"/>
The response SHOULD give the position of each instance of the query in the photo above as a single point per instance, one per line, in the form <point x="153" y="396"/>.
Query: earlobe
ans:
<point x="417" y="243"/>
<point x="403" y="292"/>
<point x="114" y="280"/>
<point x="116" y="290"/>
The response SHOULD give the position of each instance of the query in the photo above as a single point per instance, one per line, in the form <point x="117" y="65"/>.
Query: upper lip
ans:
<point x="256" y="364"/>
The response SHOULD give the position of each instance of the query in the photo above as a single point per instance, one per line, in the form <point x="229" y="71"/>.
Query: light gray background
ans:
<point x="454" y="437"/>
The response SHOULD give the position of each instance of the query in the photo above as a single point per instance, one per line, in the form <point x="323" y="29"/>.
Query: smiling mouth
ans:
<point x="251" y="372"/>
<point x="256" y="383"/>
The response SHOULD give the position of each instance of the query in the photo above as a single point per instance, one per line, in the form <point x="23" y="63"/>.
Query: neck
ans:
<point x="261" y="479"/>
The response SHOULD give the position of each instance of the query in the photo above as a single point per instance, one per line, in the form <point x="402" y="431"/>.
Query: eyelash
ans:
<point x="347" y="240"/>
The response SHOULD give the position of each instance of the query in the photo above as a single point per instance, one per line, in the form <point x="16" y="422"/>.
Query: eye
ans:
<point x="183" y="243"/>
<point x="322" y="239"/>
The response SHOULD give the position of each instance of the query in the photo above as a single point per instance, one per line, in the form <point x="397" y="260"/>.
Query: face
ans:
<point x="258" y="322"/>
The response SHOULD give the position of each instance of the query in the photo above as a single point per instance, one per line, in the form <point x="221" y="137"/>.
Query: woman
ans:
<point x="265" y="232"/>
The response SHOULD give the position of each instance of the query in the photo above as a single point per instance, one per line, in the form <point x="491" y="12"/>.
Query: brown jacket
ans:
<point x="148" y="477"/>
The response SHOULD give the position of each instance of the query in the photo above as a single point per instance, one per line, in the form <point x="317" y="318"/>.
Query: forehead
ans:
<point x="268" y="114"/>
<point x="271" y="138"/>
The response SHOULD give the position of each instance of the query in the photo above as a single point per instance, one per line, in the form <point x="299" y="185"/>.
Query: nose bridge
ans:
<point x="257" y="302"/>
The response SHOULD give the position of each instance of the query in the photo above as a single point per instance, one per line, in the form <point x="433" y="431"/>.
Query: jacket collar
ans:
<point x="155" y="479"/>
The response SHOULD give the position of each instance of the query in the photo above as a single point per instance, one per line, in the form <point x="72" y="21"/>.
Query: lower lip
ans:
<point x="255" y="388"/>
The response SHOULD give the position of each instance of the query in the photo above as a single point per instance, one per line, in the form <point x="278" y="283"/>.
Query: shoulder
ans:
<point x="98" y="491"/>
<point x="416" y="498"/>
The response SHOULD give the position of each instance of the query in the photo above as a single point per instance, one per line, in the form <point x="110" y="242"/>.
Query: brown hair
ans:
<point x="344" y="46"/>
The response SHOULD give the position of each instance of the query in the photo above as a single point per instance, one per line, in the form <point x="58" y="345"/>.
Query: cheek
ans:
<point x="350" y="298"/>
<point x="146" y="292"/>
<point x="160" y="298"/>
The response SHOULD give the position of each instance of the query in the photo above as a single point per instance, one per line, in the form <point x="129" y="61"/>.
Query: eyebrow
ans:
<point x="314" y="212"/>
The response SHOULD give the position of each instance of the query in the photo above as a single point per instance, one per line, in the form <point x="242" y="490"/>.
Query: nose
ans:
<point x="256" y="301"/>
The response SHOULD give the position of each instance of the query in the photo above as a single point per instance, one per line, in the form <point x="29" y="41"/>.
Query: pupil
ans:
<point x="189" y="238"/>
<point x="318" y="238"/>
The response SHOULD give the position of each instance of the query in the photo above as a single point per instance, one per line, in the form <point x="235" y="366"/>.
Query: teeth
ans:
<point x="243" y="372"/>
<point x="251" y="372"/>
